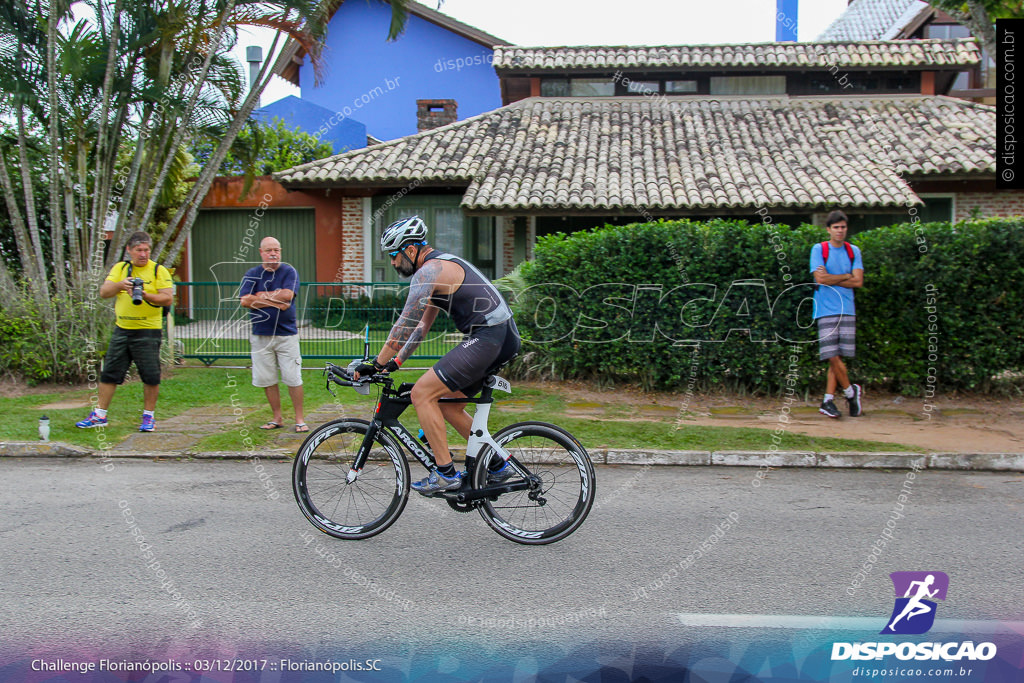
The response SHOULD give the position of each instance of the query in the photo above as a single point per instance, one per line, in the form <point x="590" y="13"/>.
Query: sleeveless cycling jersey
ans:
<point x="476" y="303"/>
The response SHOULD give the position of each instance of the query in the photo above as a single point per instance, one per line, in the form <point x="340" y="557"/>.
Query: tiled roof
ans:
<point x="872" y="19"/>
<point x="513" y="59"/>
<point x="546" y="154"/>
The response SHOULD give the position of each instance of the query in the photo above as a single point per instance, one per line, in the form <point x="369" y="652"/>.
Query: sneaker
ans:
<point x="854" y="401"/>
<point x="148" y="424"/>
<point x="500" y="475"/>
<point x="92" y="421"/>
<point x="829" y="409"/>
<point x="436" y="482"/>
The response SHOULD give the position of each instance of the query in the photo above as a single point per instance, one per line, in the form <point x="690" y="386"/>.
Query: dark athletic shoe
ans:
<point x="854" y="403"/>
<point x="828" y="408"/>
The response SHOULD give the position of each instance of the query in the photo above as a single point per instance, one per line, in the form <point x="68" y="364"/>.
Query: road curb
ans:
<point x="45" y="449"/>
<point x="981" y="462"/>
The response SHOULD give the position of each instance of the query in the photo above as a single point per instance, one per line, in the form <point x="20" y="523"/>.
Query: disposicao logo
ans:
<point x="914" y="612"/>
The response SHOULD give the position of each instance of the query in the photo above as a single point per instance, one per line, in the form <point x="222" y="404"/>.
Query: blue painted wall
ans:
<point x="343" y="134"/>
<point x="378" y="82"/>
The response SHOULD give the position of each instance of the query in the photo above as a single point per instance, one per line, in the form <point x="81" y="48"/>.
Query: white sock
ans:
<point x="829" y="397"/>
<point x="100" y="413"/>
<point x="848" y="391"/>
<point x="147" y="412"/>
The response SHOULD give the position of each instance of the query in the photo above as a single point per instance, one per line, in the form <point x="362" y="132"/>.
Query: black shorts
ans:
<point x="482" y="353"/>
<point x="141" y="346"/>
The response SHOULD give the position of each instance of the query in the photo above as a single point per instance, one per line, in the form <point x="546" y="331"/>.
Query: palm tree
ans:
<point x="148" y="76"/>
<point x="109" y="93"/>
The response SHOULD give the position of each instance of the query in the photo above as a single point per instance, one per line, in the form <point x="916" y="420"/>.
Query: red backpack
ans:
<point x="824" y="255"/>
<point x="824" y="251"/>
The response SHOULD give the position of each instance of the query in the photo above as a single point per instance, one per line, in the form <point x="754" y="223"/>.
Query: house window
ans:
<point x="748" y="85"/>
<point x="643" y="87"/>
<point x="855" y="83"/>
<point x="448" y="229"/>
<point x="580" y="87"/>
<point x="903" y="83"/>
<point x="680" y="86"/>
<point x="946" y="31"/>
<point x="554" y="87"/>
<point x="936" y="208"/>
<point x="592" y="87"/>
<point x="962" y="81"/>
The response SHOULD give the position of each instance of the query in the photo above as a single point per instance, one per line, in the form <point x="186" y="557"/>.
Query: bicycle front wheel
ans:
<point x="336" y="500"/>
<point x="563" y="490"/>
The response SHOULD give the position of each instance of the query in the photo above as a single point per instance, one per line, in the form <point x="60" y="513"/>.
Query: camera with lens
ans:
<point x="137" y="283"/>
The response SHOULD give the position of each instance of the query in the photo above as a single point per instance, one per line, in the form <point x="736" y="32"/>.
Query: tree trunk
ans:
<point x="56" y="171"/>
<point x="104" y="142"/>
<point x="178" y="139"/>
<point x="205" y="180"/>
<point x="200" y="81"/>
<point x="36" y="267"/>
<point x="21" y="239"/>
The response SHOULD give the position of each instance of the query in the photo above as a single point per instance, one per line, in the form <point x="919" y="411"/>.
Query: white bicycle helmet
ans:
<point x="402" y="232"/>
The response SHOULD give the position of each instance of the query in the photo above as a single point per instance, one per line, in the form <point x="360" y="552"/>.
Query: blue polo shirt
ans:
<point x="834" y="300"/>
<point x="270" y="321"/>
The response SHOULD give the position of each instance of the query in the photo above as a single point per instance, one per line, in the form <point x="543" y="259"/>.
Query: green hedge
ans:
<point x="683" y="305"/>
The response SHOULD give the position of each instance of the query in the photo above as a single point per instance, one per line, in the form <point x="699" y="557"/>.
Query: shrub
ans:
<point x="677" y="304"/>
<point x="62" y="340"/>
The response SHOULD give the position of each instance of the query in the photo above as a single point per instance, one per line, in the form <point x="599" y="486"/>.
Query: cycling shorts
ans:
<point x="480" y="354"/>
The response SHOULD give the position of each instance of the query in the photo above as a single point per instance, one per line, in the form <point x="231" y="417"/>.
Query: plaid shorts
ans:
<point x="837" y="336"/>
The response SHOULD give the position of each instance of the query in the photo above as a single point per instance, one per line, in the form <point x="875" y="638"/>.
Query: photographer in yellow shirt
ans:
<point x="142" y="288"/>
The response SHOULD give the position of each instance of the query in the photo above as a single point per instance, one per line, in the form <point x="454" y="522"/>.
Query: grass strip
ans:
<point x="229" y="391"/>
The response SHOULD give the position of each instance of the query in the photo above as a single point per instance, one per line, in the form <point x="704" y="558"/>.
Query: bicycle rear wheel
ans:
<point x="346" y="509"/>
<point x="564" y="491"/>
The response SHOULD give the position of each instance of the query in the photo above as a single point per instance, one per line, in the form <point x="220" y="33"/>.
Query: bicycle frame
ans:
<point x="393" y="403"/>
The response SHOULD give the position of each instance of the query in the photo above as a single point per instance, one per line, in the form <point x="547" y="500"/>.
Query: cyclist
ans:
<point x="445" y="282"/>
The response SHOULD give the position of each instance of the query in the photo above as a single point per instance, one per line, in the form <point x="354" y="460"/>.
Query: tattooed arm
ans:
<point x="416" y="318"/>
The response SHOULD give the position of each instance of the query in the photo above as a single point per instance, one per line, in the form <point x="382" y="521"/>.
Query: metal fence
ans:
<point x="335" y="320"/>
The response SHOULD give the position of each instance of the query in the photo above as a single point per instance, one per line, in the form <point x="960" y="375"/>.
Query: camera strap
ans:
<point x="128" y="273"/>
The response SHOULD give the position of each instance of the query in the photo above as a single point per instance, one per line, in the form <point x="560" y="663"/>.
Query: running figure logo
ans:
<point x="914" y="613"/>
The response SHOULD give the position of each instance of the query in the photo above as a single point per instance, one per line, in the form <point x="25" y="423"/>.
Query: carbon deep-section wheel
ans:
<point x="343" y="503"/>
<point x="561" y="478"/>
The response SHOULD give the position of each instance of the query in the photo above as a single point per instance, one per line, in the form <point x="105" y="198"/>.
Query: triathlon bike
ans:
<point x="351" y="476"/>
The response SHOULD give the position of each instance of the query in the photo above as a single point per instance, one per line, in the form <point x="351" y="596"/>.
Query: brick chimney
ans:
<point x="435" y="113"/>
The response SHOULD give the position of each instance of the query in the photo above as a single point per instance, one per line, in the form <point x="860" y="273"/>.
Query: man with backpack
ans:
<point x="838" y="270"/>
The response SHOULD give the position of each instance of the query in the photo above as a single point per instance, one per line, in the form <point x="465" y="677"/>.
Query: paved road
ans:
<point x="190" y="559"/>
